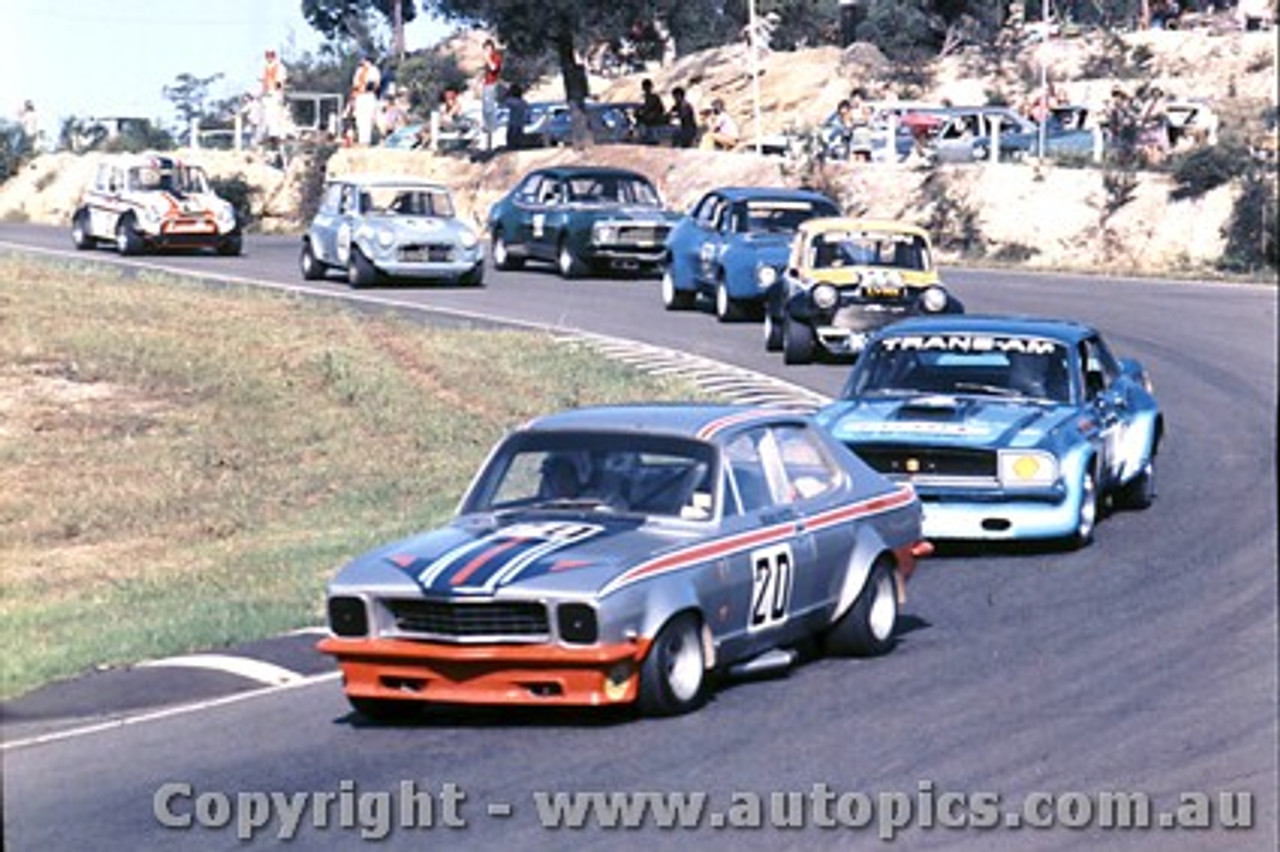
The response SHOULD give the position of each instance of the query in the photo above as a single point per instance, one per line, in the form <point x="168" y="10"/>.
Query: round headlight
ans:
<point x="468" y="239"/>
<point x="934" y="300"/>
<point x="825" y="296"/>
<point x="766" y="275"/>
<point x="385" y="239"/>
<point x="893" y="277"/>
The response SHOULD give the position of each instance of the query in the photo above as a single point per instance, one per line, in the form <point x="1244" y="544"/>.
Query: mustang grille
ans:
<point x="431" y="252"/>
<point x="929" y="462"/>
<point x="642" y="234"/>
<point x="465" y="620"/>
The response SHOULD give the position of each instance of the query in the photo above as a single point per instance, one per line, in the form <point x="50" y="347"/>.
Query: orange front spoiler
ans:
<point x="487" y="674"/>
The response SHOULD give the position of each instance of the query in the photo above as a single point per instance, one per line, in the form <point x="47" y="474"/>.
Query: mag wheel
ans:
<point x="360" y="271"/>
<point x="80" y="234"/>
<point x="797" y="342"/>
<point x="673" y="299"/>
<point x="1140" y="492"/>
<point x="568" y="263"/>
<point x="728" y="309"/>
<point x="128" y="241"/>
<point x="866" y="630"/>
<point x="312" y="268"/>
<point x="502" y="258"/>
<point x="673" y="676"/>
<point x="1087" y="517"/>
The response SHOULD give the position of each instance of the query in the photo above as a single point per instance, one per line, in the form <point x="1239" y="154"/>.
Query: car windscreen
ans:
<point x="184" y="179"/>
<point x="613" y="189"/>
<point x="771" y="215"/>
<point x="1003" y="365"/>
<point x="406" y="201"/>
<point x="835" y="249"/>
<point x="599" y="471"/>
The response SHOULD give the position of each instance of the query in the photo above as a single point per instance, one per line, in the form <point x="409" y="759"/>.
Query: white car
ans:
<point x="151" y="201"/>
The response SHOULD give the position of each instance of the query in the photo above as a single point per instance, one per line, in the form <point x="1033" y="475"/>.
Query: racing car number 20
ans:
<point x="770" y="586"/>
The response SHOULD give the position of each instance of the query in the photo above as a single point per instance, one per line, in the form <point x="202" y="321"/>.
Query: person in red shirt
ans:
<point x="489" y="90"/>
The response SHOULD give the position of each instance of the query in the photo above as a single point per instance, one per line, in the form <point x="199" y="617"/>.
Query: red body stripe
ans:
<point x="477" y="562"/>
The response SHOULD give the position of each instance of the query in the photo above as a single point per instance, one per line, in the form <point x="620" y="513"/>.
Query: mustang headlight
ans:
<point x="604" y="234"/>
<point x="824" y="296"/>
<point x="1027" y="468"/>
<point x="348" y="616"/>
<point x="766" y="276"/>
<point x="934" y="300"/>
<point x="578" y="623"/>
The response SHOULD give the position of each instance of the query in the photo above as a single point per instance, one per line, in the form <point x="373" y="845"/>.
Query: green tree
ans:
<point x="189" y="95"/>
<point x="353" y="20"/>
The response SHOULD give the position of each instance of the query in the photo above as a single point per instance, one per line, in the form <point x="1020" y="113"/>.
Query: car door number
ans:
<point x="772" y="570"/>
<point x="538" y="224"/>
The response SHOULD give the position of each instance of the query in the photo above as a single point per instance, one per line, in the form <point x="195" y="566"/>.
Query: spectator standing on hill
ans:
<point x="271" y="96"/>
<point x="682" y="116"/>
<point x="489" y="78"/>
<point x="651" y="115"/>
<point x="29" y="120"/>
<point x="517" y="117"/>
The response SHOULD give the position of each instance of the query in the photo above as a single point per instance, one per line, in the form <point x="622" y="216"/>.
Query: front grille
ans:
<point x="468" y="620"/>
<point x="929" y="461"/>
<point x="431" y="252"/>
<point x="644" y="235"/>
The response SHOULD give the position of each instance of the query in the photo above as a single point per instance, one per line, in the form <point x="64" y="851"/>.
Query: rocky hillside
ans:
<point x="1053" y="218"/>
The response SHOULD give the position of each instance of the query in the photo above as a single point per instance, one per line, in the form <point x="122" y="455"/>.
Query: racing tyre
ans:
<point x="1087" y="517"/>
<point x="673" y="677"/>
<point x="797" y="342"/>
<point x="473" y="277"/>
<point x="128" y="241"/>
<point x="80" y="234"/>
<point x="1140" y="492"/>
<point x="384" y="709"/>
<point x="231" y="246"/>
<point x="772" y="332"/>
<point x="569" y="264"/>
<point x="728" y="309"/>
<point x="673" y="299"/>
<point x="866" y="630"/>
<point x="360" y="271"/>
<point x="502" y="258"/>
<point x="312" y="268"/>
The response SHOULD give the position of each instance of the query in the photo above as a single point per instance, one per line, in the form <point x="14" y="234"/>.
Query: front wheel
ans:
<point x="1087" y="516"/>
<point x="569" y="264"/>
<point x="502" y="258"/>
<point x="866" y="630"/>
<point x="128" y="240"/>
<point x="360" y="270"/>
<point x="798" y="342"/>
<point x="673" y="299"/>
<point x="673" y="676"/>
<point x="231" y="245"/>
<point x="772" y="332"/>
<point x="728" y="309"/>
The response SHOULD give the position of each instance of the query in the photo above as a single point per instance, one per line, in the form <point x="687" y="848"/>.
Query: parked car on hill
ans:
<point x="733" y="245"/>
<point x="372" y="227"/>
<point x="1007" y="427"/>
<point x="845" y="279"/>
<point x="148" y="201"/>
<point x="622" y="555"/>
<point x="581" y="218"/>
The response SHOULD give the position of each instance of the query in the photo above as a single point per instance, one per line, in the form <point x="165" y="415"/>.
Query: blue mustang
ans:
<point x="733" y="245"/>
<point x="1006" y="427"/>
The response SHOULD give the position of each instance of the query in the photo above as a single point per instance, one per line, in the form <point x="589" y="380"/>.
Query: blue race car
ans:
<point x="1008" y="428"/>
<point x="733" y="245"/>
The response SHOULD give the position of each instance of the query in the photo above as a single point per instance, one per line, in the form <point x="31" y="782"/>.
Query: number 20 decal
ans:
<point x="772" y="570"/>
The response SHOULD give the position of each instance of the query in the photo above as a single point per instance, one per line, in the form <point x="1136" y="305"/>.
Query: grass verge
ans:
<point x="183" y="468"/>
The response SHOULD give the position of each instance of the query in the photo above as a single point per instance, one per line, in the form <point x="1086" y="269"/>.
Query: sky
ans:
<point x="114" y="57"/>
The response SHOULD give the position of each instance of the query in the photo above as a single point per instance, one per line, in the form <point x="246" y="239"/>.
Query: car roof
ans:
<point x="589" y="171"/>
<point x="1068" y="331"/>
<point x="747" y="193"/>
<point x="387" y="180"/>
<point x="842" y="223"/>
<point x="701" y="421"/>
<point x="154" y="159"/>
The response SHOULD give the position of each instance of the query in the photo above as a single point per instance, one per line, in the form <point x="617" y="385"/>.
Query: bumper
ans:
<point x="627" y="257"/>
<point x="488" y="674"/>
<point x="999" y="520"/>
<point x="426" y="270"/>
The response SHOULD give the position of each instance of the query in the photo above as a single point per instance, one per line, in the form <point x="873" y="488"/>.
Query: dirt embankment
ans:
<point x="1058" y="217"/>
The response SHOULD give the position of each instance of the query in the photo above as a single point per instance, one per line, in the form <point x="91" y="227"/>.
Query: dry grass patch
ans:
<point x="182" y="468"/>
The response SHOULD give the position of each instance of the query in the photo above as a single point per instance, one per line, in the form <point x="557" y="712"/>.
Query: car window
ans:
<point x="745" y="474"/>
<point x="705" y="211"/>
<point x="810" y="471"/>
<point x="1100" y="366"/>
<point x="332" y="201"/>
<point x="836" y="249"/>
<point x="779" y="215"/>
<point x="529" y="190"/>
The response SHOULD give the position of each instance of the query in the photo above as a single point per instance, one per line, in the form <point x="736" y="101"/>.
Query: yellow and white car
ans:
<point x="847" y="278"/>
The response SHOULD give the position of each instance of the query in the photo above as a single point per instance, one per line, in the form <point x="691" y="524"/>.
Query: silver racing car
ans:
<point x="624" y="555"/>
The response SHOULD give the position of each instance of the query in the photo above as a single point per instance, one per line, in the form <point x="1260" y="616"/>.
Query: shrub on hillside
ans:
<point x="311" y="180"/>
<point x="240" y="193"/>
<point x="1251" y="231"/>
<point x="1204" y="169"/>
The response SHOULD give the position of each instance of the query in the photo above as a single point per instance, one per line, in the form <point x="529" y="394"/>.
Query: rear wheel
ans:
<point x="673" y="676"/>
<point x="772" y="332"/>
<point x="311" y="266"/>
<point x="1140" y="492"/>
<point x="128" y="240"/>
<point x="866" y="630"/>
<point x="798" y="342"/>
<point x="360" y="270"/>
<point x="81" y="236"/>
